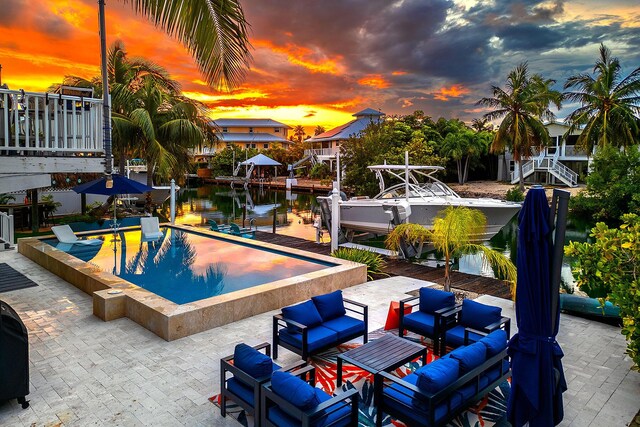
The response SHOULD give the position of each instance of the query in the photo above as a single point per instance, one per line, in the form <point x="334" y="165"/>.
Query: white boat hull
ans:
<point x="367" y="215"/>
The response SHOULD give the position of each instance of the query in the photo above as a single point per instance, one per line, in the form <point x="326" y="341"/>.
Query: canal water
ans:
<point x="293" y="216"/>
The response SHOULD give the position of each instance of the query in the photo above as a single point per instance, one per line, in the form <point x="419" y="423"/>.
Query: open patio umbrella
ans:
<point x="120" y="185"/>
<point x="537" y="380"/>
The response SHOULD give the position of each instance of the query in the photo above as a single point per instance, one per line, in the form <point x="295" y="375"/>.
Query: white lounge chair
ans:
<point x="65" y="234"/>
<point x="150" y="228"/>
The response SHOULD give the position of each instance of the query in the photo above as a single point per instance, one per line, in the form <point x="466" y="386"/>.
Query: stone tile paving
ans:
<point x="86" y="372"/>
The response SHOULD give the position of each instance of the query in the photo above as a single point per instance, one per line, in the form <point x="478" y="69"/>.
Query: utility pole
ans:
<point x="106" y="108"/>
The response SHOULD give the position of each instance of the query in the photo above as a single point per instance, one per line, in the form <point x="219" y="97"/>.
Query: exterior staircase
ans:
<point x="548" y="164"/>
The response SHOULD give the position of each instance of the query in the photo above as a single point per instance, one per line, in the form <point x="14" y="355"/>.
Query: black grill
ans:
<point x="14" y="356"/>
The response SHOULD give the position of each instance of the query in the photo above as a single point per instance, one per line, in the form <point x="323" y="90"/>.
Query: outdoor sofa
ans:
<point x="318" y="324"/>
<point x="244" y="372"/>
<point x="434" y="394"/>
<point x="425" y="318"/>
<point x="287" y="400"/>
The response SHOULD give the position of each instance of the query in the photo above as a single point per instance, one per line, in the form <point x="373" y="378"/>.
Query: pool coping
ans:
<point x="114" y="298"/>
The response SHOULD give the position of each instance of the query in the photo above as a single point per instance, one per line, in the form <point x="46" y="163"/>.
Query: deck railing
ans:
<point x="47" y="123"/>
<point x="6" y="228"/>
<point x="321" y="151"/>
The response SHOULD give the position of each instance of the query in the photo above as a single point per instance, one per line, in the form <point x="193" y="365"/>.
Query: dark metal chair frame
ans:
<point x="280" y="322"/>
<point x="452" y="319"/>
<point x="269" y="399"/>
<point x="438" y="324"/>
<point x="226" y="367"/>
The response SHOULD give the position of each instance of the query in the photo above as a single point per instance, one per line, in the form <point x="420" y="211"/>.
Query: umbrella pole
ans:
<point x="561" y="200"/>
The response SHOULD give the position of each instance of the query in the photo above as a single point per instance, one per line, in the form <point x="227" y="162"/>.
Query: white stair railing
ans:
<point x="6" y="228"/>
<point x="527" y="169"/>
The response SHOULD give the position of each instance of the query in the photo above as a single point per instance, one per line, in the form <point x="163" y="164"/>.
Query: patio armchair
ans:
<point x="318" y="324"/>
<point x="426" y="317"/>
<point x="470" y="322"/>
<point x="242" y="232"/>
<point x="243" y="373"/>
<point x="220" y="228"/>
<point x="287" y="400"/>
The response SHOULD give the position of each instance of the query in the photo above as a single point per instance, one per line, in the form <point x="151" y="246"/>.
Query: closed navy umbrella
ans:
<point x="537" y="380"/>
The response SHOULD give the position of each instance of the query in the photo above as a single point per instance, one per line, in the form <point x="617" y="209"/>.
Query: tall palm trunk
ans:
<point x="521" y="178"/>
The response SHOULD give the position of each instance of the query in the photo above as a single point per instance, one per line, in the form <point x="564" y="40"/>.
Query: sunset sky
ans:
<point x="315" y="62"/>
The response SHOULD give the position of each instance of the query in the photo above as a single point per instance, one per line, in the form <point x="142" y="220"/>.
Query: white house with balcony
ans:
<point x="560" y="163"/>
<point x="327" y="144"/>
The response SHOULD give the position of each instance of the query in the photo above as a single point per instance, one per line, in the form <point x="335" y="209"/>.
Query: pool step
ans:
<point x="381" y="251"/>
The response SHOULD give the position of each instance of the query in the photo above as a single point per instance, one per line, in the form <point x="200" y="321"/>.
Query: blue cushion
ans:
<point x="469" y="389"/>
<point x="305" y="313"/>
<point x="241" y="390"/>
<point x="252" y="362"/>
<point x="478" y="316"/>
<point x="493" y="373"/>
<point x="420" y="322"/>
<point x="294" y="390"/>
<point x="280" y="418"/>
<point x="432" y="300"/>
<point x="345" y="326"/>
<point x="469" y="357"/>
<point x="438" y="374"/>
<point x="455" y="336"/>
<point x="495" y="342"/>
<point x="330" y="305"/>
<point x="317" y="337"/>
<point x="404" y="401"/>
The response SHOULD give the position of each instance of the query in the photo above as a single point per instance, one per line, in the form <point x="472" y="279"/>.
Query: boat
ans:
<point x="418" y="198"/>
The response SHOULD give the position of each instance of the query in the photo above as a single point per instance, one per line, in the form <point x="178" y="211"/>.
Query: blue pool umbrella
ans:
<point x="121" y="185"/>
<point x="537" y="377"/>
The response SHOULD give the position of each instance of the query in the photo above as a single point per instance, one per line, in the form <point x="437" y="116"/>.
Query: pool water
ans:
<point x="184" y="267"/>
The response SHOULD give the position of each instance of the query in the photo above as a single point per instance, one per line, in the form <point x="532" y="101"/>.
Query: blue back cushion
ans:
<point x="478" y="316"/>
<point x="434" y="299"/>
<point x="438" y="374"/>
<point x="251" y="361"/>
<point x="495" y="342"/>
<point x="305" y="313"/>
<point x="330" y="306"/>
<point x="469" y="357"/>
<point x="294" y="390"/>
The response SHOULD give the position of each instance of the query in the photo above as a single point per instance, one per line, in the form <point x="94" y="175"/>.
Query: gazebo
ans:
<point x="260" y="160"/>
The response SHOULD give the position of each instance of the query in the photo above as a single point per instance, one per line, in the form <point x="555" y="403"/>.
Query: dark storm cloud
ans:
<point x="11" y="11"/>
<point x="20" y="14"/>
<point x="526" y="37"/>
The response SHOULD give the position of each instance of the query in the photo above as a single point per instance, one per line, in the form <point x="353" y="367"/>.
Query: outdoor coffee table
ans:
<point x="384" y="354"/>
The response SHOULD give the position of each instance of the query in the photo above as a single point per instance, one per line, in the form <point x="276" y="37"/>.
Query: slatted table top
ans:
<point x="382" y="354"/>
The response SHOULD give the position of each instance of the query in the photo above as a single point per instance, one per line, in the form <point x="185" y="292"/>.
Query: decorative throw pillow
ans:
<point x="330" y="306"/>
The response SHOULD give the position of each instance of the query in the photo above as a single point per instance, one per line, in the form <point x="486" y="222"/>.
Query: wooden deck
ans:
<point x="467" y="282"/>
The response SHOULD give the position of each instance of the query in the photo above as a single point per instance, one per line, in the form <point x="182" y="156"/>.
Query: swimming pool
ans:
<point x="185" y="266"/>
<point x="115" y="296"/>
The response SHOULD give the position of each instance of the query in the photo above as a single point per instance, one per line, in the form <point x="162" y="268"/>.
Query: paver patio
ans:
<point x="87" y="372"/>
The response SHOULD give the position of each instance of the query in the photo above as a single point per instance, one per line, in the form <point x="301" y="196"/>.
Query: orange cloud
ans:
<point x="398" y="73"/>
<point x="304" y="57"/>
<point x="374" y="80"/>
<point x="209" y="98"/>
<point x="455" y="91"/>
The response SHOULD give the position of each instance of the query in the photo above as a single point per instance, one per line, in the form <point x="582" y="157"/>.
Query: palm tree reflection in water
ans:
<point x="165" y="267"/>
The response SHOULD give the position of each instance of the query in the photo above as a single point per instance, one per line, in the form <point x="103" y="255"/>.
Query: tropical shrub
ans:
<point x="374" y="262"/>
<point x="515" y="195"/>
<point x="609" y="269"/>
<point x="50" y="202"/>
<point x="320" y="171"/>
<point x="6" y="198"/>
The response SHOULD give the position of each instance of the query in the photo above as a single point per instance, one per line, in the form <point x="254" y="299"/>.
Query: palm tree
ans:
<point x="299" y="133"/>
<point x="482" y="124"/>
<point x="462" y="146"/>
<point x="610" y="104"/>
<point x="318" y="130"/>
<point x="522" y="107"/>
<point x="451" y="235"/>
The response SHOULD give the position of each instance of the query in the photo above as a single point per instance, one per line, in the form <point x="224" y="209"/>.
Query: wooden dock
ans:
<point x="463" y="281"/>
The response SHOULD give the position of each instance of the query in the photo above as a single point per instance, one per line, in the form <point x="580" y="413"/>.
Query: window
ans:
<point x="276" y="130"/>
<point x="247" y="145"/>
<point x="225" y="130"/>
<point x="265" y="145"/>
<point x="250" y="130"/>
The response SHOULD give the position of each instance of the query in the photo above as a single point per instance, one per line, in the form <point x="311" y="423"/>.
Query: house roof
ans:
<point x="352" y="128"/>
<point x="261" y="160"/>
<point x="250" y="137"/>
<point x="256" y="123"/>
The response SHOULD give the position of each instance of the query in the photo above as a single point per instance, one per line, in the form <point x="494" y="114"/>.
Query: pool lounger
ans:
<point x="65" y="234"/>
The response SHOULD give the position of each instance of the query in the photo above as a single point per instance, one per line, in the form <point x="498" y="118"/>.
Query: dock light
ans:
<point x="109" y="183"/>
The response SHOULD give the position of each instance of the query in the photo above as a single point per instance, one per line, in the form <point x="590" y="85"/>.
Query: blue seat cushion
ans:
<point x="455" y="336"/>
<point x="469" y="357"/>
<point x="432" y="300"/>
<point x="294" y="390"/>
<point x="469" y="389"/>
<point x="404" y="401"/>
<point x="438" y="374"/>
<point x="345" y="326"/>
<point x="493" y="374"/>
<point x="420" y="322"/>
<point x="330" y="306"/>
<point x="252" y="362"/>
<point x="281" y="418"/>
<point x="305" y="313"/>
<point x="317" y="337"/>
<point x="241" y="390"/>
<point x="495" y="342"/>
<point x="478" y="316"/>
